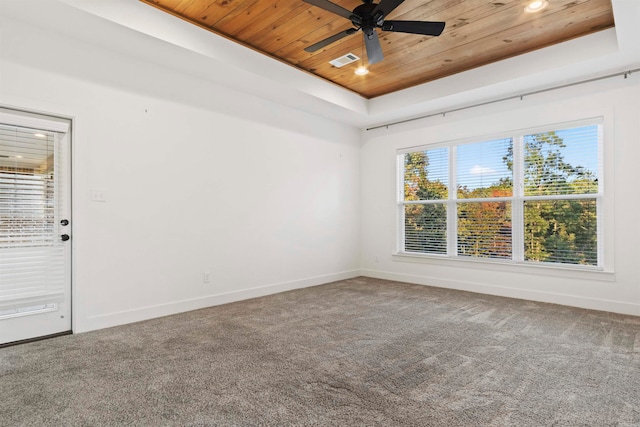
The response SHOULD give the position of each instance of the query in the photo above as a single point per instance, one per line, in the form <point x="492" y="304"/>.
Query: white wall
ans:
<point x="196" y="177"/>
<point x="618" y="289"/>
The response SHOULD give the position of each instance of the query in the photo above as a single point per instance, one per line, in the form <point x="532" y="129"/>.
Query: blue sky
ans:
<point x="584" y="150"/>
<point x="481" y="164"/>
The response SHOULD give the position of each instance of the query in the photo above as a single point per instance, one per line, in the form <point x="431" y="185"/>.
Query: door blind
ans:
<point x="32" y="263"/>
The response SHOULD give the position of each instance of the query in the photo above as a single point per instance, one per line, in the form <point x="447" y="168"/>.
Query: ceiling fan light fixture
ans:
<point x="361" y="71"/>
<point x="536" y="6"/>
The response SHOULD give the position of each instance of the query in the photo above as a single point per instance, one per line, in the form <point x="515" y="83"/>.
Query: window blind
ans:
<point x="561" y="162"/>
<point x="484" y="230"/>
<point x="426" y="228"/>
<point x="482" y="169"/>
<point x="32" y="259"/>
<point x="426" y="175"/>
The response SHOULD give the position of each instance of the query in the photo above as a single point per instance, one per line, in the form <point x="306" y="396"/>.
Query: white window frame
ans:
<point x="517" y="204"/>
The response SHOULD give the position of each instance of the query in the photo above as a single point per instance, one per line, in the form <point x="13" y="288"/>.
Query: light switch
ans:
<point x="98" y="195"/>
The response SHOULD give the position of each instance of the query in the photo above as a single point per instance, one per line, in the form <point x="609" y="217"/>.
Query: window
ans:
<point x="529" y="197"/>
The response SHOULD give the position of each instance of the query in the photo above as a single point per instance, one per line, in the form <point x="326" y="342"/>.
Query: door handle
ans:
<point x="64" y="222"/>
<point x="64" y="237"/>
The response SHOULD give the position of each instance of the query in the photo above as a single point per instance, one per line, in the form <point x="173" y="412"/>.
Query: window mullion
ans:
<point x="599" y="200"/>
<point x="452" y="211"/>
<point x="400" y="235"/>
<point x="517" y="206"/>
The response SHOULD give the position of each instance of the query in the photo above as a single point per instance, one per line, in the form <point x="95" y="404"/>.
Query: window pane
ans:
<point x="27" y="199"/>
<point x="484" y="229"/>
<point x="426" y="228"/>
<point x="561" y="162"/>
<point x="485" y="169"/>
<point x="426" y="175"/>
<point x="562" y="231"/>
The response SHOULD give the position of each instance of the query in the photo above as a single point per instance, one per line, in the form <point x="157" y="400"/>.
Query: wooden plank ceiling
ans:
<point x="477" y="33"/>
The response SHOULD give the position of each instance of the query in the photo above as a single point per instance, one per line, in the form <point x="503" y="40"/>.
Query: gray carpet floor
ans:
<point x="360" y="352"/>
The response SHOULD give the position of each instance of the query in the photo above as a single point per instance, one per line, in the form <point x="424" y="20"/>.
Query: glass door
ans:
<point x="35" y="228"/>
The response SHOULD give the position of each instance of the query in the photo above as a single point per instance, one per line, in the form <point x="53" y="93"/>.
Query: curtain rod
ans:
<point x="508" y="98"/>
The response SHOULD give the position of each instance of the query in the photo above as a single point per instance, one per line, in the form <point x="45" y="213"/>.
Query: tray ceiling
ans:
<point x="478" y="32"/>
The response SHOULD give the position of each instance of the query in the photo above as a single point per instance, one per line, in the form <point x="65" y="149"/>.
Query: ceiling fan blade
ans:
<point x="386" y="7"/>
<point x="372" y="43"/>
<point x="426" y="28"/>
<point x="326" y="42"/>
<point x="331" y="7"/>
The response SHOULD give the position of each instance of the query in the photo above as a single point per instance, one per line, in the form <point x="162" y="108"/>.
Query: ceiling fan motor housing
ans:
<point x="363" y="16"/>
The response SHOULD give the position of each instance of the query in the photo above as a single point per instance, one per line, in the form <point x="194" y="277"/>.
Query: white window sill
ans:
<point x="547" y="269"/>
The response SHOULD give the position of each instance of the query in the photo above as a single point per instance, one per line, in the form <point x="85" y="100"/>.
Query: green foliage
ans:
<point x="545" y="171"/>
<point x="563" y="231"/>
<point x="484" y="229"/>
<point x="425" y="225"/>
<point x="417" y="186"/>
<point x="426" y="228"/>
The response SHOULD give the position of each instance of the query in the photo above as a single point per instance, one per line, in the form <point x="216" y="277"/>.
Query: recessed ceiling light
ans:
<point x="18" y="157"/>
<point x="40" y="135"/>
<point x="361" y="71"/>
<point x="536" y="6"/>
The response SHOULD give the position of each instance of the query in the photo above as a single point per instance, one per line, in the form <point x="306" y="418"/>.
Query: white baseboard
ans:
<point x="553" y="298"/>
<point x="150" y="312"/>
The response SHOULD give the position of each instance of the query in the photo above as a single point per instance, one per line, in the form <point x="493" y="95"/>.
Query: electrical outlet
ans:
<point x="206" y="277"/>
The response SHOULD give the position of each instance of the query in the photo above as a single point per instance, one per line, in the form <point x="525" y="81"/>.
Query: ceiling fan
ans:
<point x="369" y="16"/>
